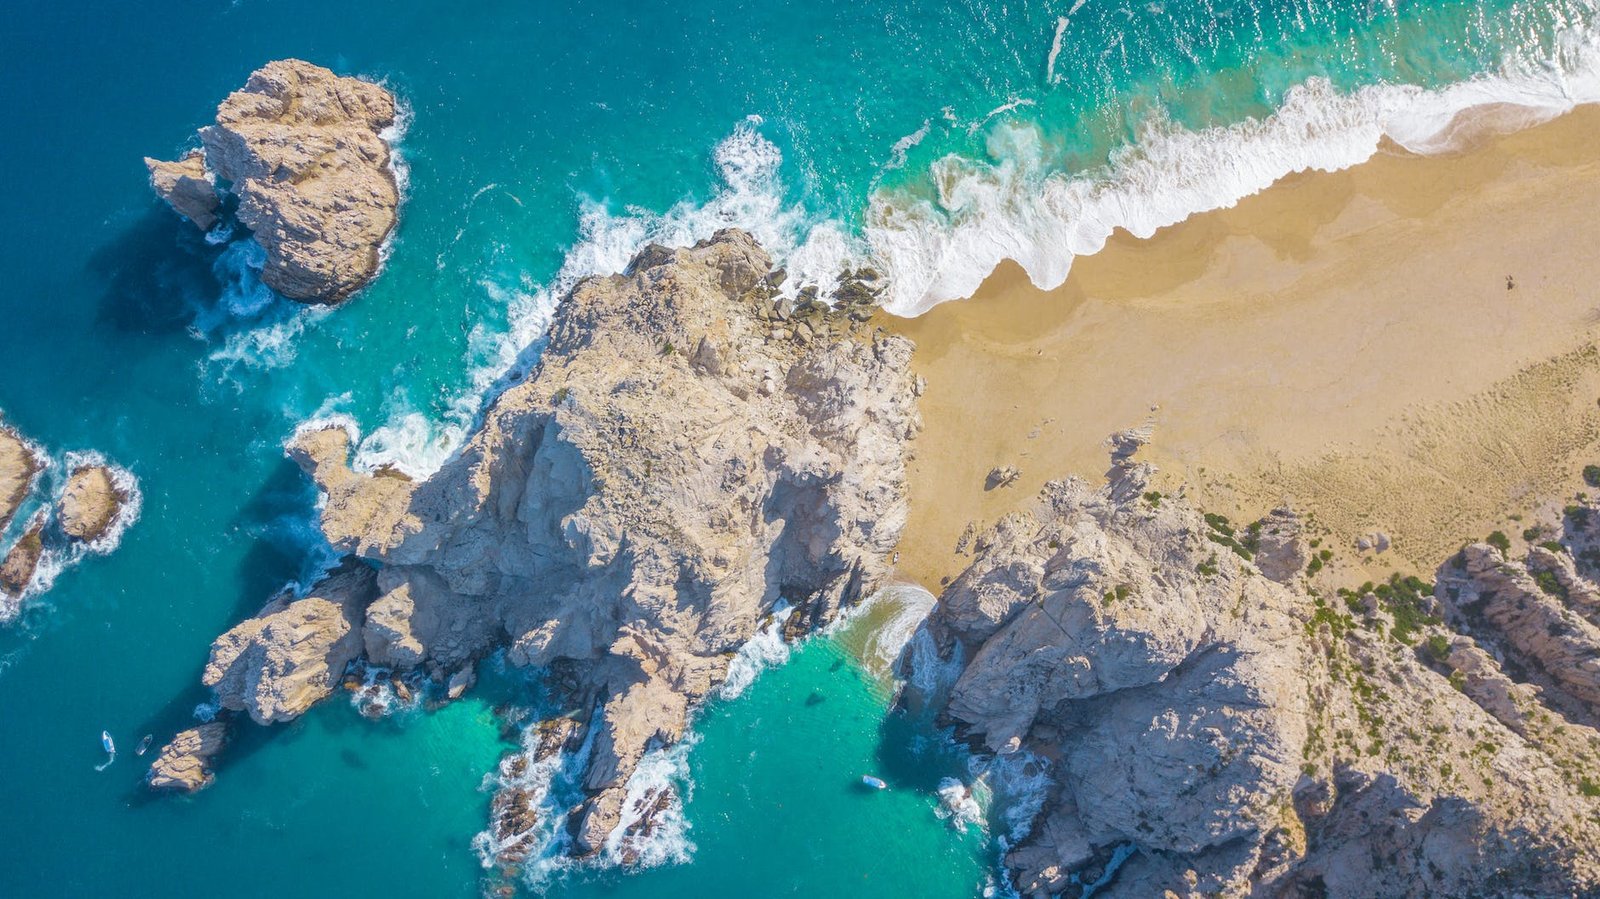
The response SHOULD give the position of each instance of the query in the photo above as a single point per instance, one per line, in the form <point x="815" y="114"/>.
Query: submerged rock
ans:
<point x="1246" y="737"/>
<point x="632" y="512"/>
<point x="90" y="504"/>
<point x="187" y="186"/>
<point x="304" y="150"/>
<point x="184" y="765"/>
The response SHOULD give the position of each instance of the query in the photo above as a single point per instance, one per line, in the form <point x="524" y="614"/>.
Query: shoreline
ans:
<point x="1342" y="341"/>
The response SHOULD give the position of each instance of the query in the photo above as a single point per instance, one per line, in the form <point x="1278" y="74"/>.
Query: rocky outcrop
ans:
<point x="1281" y="549"/>
<point x="18" y="468"/>
<point x="187" y="186"/>
<point x="90" y="504"/>
<point x="686" y="453"/>
<point x="184" y="765"/>
<point x="304" y="151"/>
<point x="278" y="664"/>
<point x="1539" y="614"/>
<point x="1210" y="731"/>
<point x="20" y="563"/>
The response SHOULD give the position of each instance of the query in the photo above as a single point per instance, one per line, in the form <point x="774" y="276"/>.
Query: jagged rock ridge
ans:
<point x="1242" y="735"/>
<point x="304" y="151"/>
<point x="686" y="453"/>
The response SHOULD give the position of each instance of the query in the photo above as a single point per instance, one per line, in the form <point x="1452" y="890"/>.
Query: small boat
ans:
<point x="111" y="750"/>
<point x="874" y="782"/>
<point x="144" y="744"/>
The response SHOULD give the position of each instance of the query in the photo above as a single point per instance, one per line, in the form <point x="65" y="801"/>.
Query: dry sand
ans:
<point x="1346" y="342"/>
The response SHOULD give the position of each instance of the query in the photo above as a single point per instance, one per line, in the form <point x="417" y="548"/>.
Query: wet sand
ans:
<point x="1403" y="346"/>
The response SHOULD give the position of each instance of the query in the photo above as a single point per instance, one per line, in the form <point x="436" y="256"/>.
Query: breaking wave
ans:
<point x="1017" y="208"/>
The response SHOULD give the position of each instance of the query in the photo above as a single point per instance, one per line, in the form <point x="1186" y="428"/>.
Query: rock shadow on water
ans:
<point x="156" y="271"/>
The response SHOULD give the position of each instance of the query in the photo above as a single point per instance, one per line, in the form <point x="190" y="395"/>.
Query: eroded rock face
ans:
<point x="304" y="151"/>
<point x="187" y="186"/>
<point x="184" y="765"/>
<point x="1237" y="735"/>
<point x="682" y="456"/>
<point x="18" y="468"/>
<point x="90" y="504"/>
<point x="278" y="664"/>
<point x="1539" y="613"/>
<point x="20" y="563"/>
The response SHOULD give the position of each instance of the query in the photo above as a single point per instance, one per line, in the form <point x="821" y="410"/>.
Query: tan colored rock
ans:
<point x="304" y="151"/>
<point x="292" y="653"/>
<point x="1249" y="738"/>
<point x="20" y="562"/>
<point x="184" y="765"/>
<point x="90" y="503"/>
<point x="18" y="468"/>
<point x="187" y="187"/>
<point x="634" y="509"/>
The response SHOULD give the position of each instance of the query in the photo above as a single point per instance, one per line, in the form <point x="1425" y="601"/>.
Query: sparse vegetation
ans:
<point x="1153" y="498"/>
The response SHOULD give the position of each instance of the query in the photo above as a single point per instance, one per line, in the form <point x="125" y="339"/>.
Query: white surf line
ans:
<point x="1055" y="45"/>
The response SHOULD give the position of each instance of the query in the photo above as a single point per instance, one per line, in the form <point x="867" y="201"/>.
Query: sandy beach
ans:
<point x="1404" y="346"/>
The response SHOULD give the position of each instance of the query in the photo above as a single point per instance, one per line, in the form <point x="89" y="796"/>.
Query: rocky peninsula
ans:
<point x="689" y="453"/>
<point x="306" y="154"/>
<point x="1212" y="725"/>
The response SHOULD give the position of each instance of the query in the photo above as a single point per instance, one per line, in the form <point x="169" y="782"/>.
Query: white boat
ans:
<point x="144" y="745"/>
<point x="111" y="750"/>
<point x="874" y="782"/>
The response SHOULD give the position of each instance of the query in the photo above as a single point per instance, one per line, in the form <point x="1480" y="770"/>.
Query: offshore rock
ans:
<point x="18" y="468"/>
<point x="304" y="151"/>
<point x="1245" y="737"/>
<point x="184" y="765"/>
<point x="632" y="511"/>
<point x="90" y="504"/>
<point x="187" y="187"/>
<point x="20" y="563"/>
<point x="292" y="654"/>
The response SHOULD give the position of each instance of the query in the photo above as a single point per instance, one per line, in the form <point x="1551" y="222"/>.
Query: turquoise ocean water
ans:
<point x="546" y="142"/>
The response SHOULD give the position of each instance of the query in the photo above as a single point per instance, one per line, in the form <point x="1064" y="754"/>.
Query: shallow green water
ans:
<point x="544" y="137"/>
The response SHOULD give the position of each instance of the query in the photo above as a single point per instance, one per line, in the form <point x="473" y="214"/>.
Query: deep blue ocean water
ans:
<point x="546" y="142"/>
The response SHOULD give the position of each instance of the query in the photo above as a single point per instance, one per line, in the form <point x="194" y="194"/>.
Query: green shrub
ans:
<point x="1499" y="541"/>
<point x="1591" y="475"/>
<point x="1438" y="647"/>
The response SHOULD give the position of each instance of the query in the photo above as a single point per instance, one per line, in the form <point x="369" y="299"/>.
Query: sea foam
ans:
<point x="1016" y="208"/>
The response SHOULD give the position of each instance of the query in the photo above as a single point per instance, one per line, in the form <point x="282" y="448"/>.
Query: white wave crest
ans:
<point x="662" y="772"/>
<point x="764" y="650"/>
<point x="1019" y="209"/>
<point x="257" y="329"/>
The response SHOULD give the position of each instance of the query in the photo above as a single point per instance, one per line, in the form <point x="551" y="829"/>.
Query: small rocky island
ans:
<point x="688" y="453"/>
<point x="306" y="153"/>
<point x="1212" y="727"/>
<point x="91" y="506"/>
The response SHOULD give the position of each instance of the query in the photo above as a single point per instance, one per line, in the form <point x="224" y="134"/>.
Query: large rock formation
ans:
<point x="686" y="453"/>
<point x="304" y="151"/>
<point x="1216" y="732"/>
<point x="90" y="504"/>
<point x="292" y="654"/>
